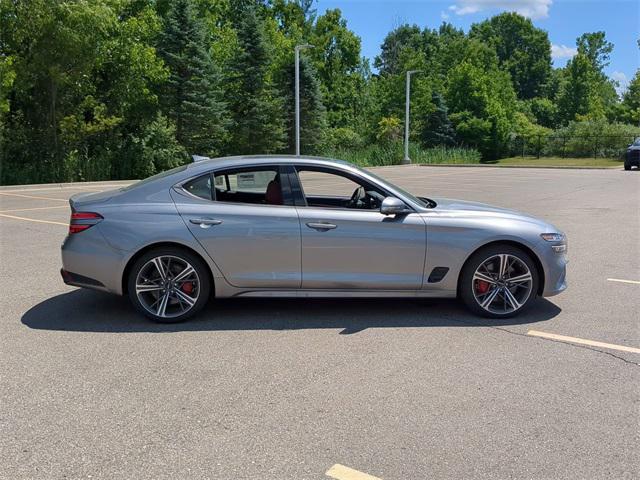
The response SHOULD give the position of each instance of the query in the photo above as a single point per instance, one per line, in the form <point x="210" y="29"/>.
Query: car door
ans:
<point x="355" y="248"/>
<point x="244" y="218"/>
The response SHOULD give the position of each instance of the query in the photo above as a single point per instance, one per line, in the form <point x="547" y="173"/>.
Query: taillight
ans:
<point x="80" y="221"/>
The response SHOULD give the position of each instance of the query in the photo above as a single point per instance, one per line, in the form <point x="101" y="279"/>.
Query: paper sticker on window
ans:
<point x="246" y="180"/>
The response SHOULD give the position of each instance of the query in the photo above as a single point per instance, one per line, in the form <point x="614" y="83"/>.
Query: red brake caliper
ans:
<point x="187" y="287"/>
<point x="482" y="286"/>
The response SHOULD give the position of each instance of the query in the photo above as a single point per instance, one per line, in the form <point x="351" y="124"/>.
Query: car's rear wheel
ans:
<point x="499" y="281"/>
<point x="169" y="285"/>
<point x="627" y="166"/>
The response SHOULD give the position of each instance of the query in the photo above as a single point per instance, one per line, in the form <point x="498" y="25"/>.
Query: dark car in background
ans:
<point x="632" y="156"/>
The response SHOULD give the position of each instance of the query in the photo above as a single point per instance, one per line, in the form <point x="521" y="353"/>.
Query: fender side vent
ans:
<point x="437" y="274"/>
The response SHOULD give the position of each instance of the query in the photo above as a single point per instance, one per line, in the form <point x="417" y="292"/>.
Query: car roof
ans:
<point x="239" y="160"/>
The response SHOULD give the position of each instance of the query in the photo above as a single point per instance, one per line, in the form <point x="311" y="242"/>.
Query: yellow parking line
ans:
<point x="66" y="187"/>
<point x="635" y="282"/>
<point x="31" y="196"/>
<point x="33" y="220"/>
<point x="340" y="472"/>
<point x="31" y="209"/>
<point x="581" y="341"/>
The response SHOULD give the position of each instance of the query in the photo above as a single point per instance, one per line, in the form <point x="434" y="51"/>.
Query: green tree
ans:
<point x="631" y="100"/>
<point x="578" y="97"/>
<point x="523" y="50"/>
<point x="336" y="58"/>
<point x="192" y="97"/>
<point x="312" y="111"/>
<point x="437" y="128"/>
<point x="84" y="77"/>
<point x="482" y="103"/>
<point x="595" y="47"/>
<point x="256" y="104"/>
<point x="406" y="40"/>
<point x="157" y="149"/>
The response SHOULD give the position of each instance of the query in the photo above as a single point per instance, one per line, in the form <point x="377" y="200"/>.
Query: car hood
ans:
<point x="476" y="209"/>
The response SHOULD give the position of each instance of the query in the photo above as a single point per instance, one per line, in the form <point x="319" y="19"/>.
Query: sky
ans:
<point x="564" y="20"/>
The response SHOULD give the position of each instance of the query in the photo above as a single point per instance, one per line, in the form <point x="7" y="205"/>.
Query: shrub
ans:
<point x="343" y="139"/>
<point x="392" y="154"/>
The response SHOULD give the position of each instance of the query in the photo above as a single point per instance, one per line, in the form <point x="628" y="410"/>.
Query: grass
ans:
<point x="392" y="154"/>
<point x="558" y="162"/>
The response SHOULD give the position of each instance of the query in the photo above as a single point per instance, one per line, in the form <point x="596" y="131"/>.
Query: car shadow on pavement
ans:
<point x="89" y="311"/>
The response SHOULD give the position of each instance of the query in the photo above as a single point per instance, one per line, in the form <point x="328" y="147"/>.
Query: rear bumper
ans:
<point x="77" y="280"/>
<point x="89" y="261"/>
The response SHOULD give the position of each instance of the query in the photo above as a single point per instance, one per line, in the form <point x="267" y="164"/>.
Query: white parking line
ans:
<point x="619" y="280"/>
<point x="31" y="209"/>
<point x="340" y="472"/>
<point x="32" y="196"/>
<point x="33" y="220"/>
<point x="582" y="341"/>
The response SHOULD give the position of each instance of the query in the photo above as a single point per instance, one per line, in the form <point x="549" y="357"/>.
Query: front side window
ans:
<point x="332" y="189"/>
<point x="249" y="185"/>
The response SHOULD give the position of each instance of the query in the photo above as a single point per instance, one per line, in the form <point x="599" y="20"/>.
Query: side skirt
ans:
<point x="346" y="293"/>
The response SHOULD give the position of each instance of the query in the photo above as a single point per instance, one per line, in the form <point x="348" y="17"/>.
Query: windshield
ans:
<point x="637" y="142"/>
<point x="391" y="186"/>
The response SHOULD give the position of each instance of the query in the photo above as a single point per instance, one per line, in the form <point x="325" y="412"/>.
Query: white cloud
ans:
<point x="533" y="9"/>
<point x="623" y="81"/>
<point x="562" y="51"/>
<point x="444" y="15"/>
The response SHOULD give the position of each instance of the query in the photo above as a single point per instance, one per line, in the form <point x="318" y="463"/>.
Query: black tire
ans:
<point x="627" y="167"/>
<point x="203" y="278"/>
<point x="466" y="284"/>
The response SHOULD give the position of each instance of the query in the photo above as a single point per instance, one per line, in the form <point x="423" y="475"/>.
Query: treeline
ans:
<point x="108" y="89"/>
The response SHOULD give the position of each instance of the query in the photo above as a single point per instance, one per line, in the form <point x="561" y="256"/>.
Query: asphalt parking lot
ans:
<point x="296" y="389"/>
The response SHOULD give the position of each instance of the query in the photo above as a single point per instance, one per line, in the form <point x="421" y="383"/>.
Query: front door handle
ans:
<point x="321" y="226"/>
<point x="205" y="222"/>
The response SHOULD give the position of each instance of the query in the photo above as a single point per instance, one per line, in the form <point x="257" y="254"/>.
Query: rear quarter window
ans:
<point x="200" y="187"/>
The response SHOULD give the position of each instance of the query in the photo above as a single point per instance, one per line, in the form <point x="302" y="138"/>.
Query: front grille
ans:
<point x="633" y="155"/>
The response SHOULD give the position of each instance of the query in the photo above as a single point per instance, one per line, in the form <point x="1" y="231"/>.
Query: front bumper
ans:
<point x="632" y="157"/>
<point x="555" y="272"/>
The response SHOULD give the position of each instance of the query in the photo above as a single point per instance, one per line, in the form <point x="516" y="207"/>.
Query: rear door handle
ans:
<point x="205" y="222"/>
<point x="321" y="226"/>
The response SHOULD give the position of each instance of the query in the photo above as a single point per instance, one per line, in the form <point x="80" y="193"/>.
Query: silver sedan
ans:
<point x="302" y="227"/>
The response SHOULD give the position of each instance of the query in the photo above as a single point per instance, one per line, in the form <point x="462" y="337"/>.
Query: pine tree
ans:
<point x="257" y="106"/>
<point x="192" y="97"/>
<point x="313" y="121"/>
<point x="438" y="129"/>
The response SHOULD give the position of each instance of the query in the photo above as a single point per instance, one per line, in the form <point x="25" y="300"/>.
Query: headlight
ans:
<point x="552" y="237"/>
<point x="556" y="237"/>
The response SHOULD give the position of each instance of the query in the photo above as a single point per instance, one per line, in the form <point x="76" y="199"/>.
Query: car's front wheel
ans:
<point x="169" y="285"/>
<point x="499" y="281"/>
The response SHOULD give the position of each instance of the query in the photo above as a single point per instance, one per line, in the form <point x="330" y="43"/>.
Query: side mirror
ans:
<point x="393" y="206"/>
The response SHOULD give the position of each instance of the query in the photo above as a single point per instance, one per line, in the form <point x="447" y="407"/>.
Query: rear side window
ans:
<point x="260" y="185"/>
<point x="200" y="187"/>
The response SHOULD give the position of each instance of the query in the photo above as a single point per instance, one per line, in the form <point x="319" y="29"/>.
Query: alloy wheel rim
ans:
<point x="502" y="284"/>
<point x="167" y="286"/>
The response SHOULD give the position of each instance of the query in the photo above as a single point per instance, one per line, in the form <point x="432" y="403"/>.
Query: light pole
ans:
<point x="406" y="158"/>
<point x="297" y="50"/>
